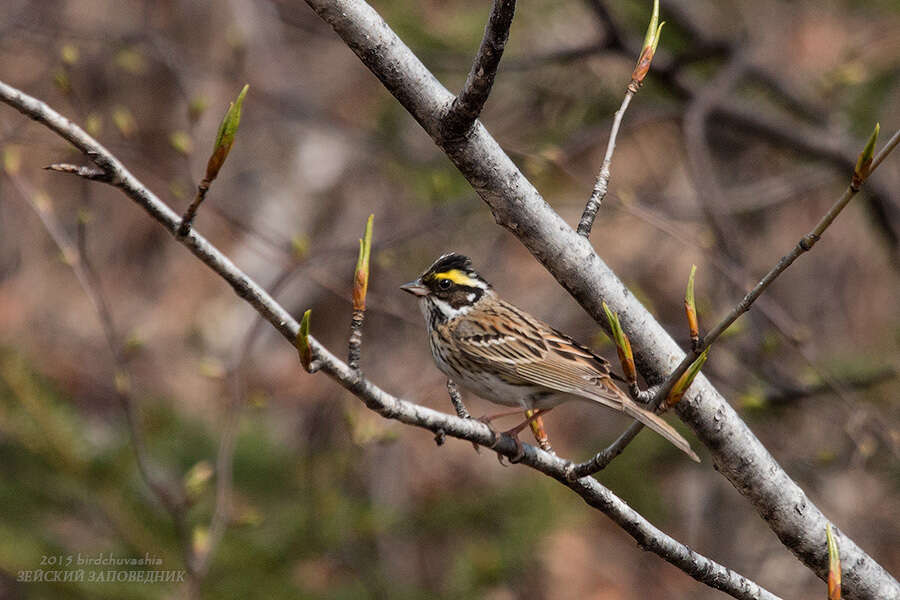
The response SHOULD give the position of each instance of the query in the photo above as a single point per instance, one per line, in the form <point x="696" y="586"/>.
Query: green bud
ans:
<point x="361" y="277"/>
<point x="648" y="49"/>
<point x="623" y="344"/>
<point x="834" y="566"/>
<point x="225" y="136"/>
<point x="861" y="171"/>
<point x="690" y="306"/>
<point x="302" y="341"/>
<point x="651" y="38"/>
<point x="684" y="382"/>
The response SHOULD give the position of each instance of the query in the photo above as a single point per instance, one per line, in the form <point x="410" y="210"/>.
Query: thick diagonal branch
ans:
<point x="517" y="206"/>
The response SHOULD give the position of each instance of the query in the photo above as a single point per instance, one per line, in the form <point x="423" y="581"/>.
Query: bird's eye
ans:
<point x="445" y="284"/>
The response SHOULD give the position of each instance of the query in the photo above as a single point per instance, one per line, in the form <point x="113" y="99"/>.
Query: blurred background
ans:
<point x="742" y="137"/>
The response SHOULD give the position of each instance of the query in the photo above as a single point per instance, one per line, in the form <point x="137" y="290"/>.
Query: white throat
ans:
<point x="428" y="304"/>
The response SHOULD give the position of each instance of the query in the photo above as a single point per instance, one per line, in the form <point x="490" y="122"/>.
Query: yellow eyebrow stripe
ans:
<point x="458" y="277"/>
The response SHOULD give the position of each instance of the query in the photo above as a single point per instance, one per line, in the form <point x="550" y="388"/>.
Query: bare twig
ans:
<point x="187" y="219"/>
<point x="597" y="496"/>
<point x="598" y="194"/>
<point x="469" y="102"/>
<point x="456" y="400"/>
<point x="92" y="173"/>
<point x="605" y="456"/>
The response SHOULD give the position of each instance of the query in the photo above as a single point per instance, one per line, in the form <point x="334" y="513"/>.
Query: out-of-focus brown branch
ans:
<point x="703" y="170"/>
<point x="788" y="395"/>
<point x="225" y="455"/>
<point x="167" y="489"/>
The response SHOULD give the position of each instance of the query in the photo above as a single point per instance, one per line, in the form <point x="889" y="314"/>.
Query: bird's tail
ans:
<point x="655" y="422"/>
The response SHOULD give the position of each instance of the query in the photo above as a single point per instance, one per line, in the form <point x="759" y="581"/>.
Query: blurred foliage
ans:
<point x="302" y="527"/>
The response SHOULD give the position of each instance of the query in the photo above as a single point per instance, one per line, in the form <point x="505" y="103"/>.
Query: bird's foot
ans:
<point x="520" y="450"/>
<point x="495" y="435"/>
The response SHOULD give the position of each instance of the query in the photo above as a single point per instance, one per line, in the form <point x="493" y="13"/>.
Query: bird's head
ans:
<point x="451" y="284"/>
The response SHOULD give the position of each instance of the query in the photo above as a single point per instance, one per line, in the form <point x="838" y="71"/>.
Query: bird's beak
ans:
<point x="415" y="288"/>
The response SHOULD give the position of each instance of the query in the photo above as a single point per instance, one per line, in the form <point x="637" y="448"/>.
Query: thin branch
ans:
<point x="804" y="245"/>
<point x="645" y="58"/>
<point x="456" y="400"/>
<point x="470" y="101"/>
<point x="598" y="194"/>
<point x="602" y="459"/>
<point x="593" y="493"/>
<point x="187" y="219"/>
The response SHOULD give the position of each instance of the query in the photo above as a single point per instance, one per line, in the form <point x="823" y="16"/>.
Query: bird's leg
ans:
<point x="514" y="432"/>
<point x="486" y="419"/>
<point x="540" y="434"/>
<point x="495" y="435"/>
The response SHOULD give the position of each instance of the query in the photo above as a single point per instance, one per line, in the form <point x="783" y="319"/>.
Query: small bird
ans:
<point x="504" y="355"/>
